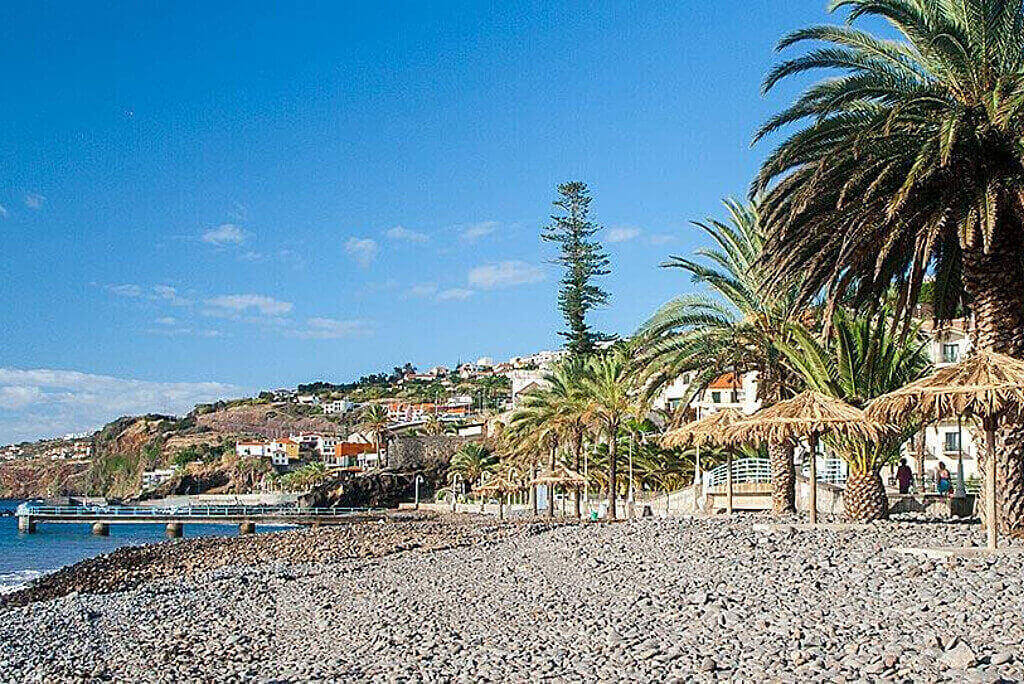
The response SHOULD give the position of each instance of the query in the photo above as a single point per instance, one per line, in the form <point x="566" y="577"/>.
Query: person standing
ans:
<point x="942" y="479"/>
<point x="904" y="476"/>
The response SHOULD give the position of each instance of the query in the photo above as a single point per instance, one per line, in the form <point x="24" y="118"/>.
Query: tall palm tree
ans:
<point x="861" y="358"/>
<point x="472" y="461"/>
<point x="737" y="329"/>
<point x="374" y="419"/>
<point x="909" y="163"/>
<point x="607" y="385"/>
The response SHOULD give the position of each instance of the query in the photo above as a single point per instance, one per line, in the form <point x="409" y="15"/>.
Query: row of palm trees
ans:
<point x="903" y="163"/>
<point x="738" y="326"/>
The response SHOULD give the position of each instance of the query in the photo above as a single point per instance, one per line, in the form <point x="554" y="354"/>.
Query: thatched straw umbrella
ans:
<point x="808" y="415"/>
<point x="501" y="487"/>
<point x="709" y="430"/>
<point x="986" y="385"/>
<point x="559" y="476"/>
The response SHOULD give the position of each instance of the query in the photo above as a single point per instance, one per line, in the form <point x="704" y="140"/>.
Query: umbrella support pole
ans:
<point x="812" y="498"/>
<point x="991" y="519"/>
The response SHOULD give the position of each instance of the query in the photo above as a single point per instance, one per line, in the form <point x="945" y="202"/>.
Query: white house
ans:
<point x="153" y="478"/>
<point x="250" y="449"/>
<point x="523" y="380"/>
<point x="338" y="406"/>
<point x="325" y="444"/>
<point x="307" y="399"/>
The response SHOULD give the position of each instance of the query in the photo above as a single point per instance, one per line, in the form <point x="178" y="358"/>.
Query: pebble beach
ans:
<point x="469" y="599"/>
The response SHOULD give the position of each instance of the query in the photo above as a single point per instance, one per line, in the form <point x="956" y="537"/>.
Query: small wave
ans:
<point x="12" y="581"/>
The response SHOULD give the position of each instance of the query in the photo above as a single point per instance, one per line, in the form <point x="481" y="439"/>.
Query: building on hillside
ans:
<point x="154" y="478"/>
<point x="439" y="372"/>
<point x="306" y="440"/>
<point x="524" y="381"/>
<point x="307" y="399"/>
<point x="338" y="406"/>
<point x="347" y="454"/>
<point x="250" y="448"/>
<point x="325" y="444"/>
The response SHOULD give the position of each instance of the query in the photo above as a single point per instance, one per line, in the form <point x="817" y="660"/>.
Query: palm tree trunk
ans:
<point x="613" y="493"/>
<point x="864" y="498"/>
<point x="551" y="487"/>
<point x="993" y="282"/>
<point x="780" y="457"/>
<point x="579" y="456"/>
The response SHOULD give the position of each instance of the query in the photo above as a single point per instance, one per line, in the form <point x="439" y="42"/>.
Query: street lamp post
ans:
<point x="416" y="486"/>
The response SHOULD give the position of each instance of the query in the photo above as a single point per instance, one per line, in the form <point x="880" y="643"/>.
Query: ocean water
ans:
<point x="24" y="557"/>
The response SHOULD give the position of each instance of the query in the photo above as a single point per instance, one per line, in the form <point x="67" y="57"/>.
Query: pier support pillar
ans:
<point x="101" y="529"/>
<point x="246" y="528"/>
<point x="174" y="530"/>
<point x="26" y="525"/>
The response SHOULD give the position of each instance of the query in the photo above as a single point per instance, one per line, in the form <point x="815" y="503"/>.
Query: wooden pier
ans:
<point x="175" y="518"/>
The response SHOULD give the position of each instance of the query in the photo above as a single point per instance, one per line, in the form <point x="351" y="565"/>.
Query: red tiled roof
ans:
<point x="727" y="381"/>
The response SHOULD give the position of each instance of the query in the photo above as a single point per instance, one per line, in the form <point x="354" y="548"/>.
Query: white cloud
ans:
<point x="479" y="230"/>
<point x="239" y="303"/>
<point x="403" y="233"/>
<point x="504" y="274"/>
<point x="622" y="234"/>
<point x="421" y="290"/>
<point x="454" y="294"/>
<point x="167" y="320"/>
<point x="661" y="239"/>
<point x="224" y="234"/>
<point x="331" y="329"/>
<point x="363" y="250"/>
<point x="170" y="295"/>
<point x="17" y="396"/>
<point x="125" y="290"/>
<point x="3" y="211"/>
<point x="157" y="293"/>
<point x="34" y="200"/>
<point x="44" y="402"/>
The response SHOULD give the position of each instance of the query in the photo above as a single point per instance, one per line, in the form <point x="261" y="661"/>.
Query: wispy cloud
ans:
<point x="224" y="234"/>
<point x="170" y="295"/>
<point x="621" y="233"/>
<point x="34" y="200"/>
<point x="401" y="233"/>
<point x="45" y="402"/>
<point x="125" y="290"/>
<point x="363" y="250"/>
<point x="157" y="293"/>
<point x="3" y="211"/>
<point x="476" y="231"/>
<point x="421" y="290"/>
<point x="454" y="294"/>
<point x="242" y="303"/>
<point x="319" y="328"/>
<point x="504" y="274"/>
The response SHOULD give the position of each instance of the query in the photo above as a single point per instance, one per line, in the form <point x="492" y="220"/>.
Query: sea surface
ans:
<point x="24" y="557"/>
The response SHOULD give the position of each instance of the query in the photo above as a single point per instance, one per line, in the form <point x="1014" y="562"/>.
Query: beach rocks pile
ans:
<point x="666" y="600"/>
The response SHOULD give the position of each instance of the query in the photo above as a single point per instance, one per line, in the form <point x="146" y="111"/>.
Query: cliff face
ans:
<point x="39" y="478"/>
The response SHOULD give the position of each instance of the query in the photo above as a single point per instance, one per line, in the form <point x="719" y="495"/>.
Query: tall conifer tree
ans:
<point x="583" y="259"/>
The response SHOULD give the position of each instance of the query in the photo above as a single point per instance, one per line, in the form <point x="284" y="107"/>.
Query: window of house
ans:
<point x="716" y="397"/>
<point x="736" y="397"/>
<point x="952" y="441"/>
<point x="950" y="353"/>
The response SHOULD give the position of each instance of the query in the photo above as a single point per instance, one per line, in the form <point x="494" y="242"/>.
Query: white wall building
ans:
<point x="338" y="406"/>
<point x="153" y="478"/>
<point x="250" y="449"/>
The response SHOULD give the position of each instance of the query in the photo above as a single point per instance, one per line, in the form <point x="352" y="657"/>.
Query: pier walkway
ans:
<point x="175" y="517"/>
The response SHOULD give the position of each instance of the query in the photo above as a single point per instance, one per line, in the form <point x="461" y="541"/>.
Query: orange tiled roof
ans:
<point x="728" y="381"/>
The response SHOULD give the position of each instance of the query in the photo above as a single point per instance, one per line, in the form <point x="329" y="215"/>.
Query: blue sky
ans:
<point x="204" y="199"/>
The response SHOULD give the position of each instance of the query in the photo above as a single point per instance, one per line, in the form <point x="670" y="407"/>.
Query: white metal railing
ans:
<point x="743" y="470"/>
<point x="234" y="511"/>
<point x="829" y="470"/>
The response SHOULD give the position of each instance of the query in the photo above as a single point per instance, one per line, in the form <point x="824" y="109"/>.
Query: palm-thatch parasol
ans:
<point x="500" y="486"/>
<point x="986" y="385"/>
<point x="708" y="430"/>
<point x="558" y="476"/>
<point x="808" y="415"/>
